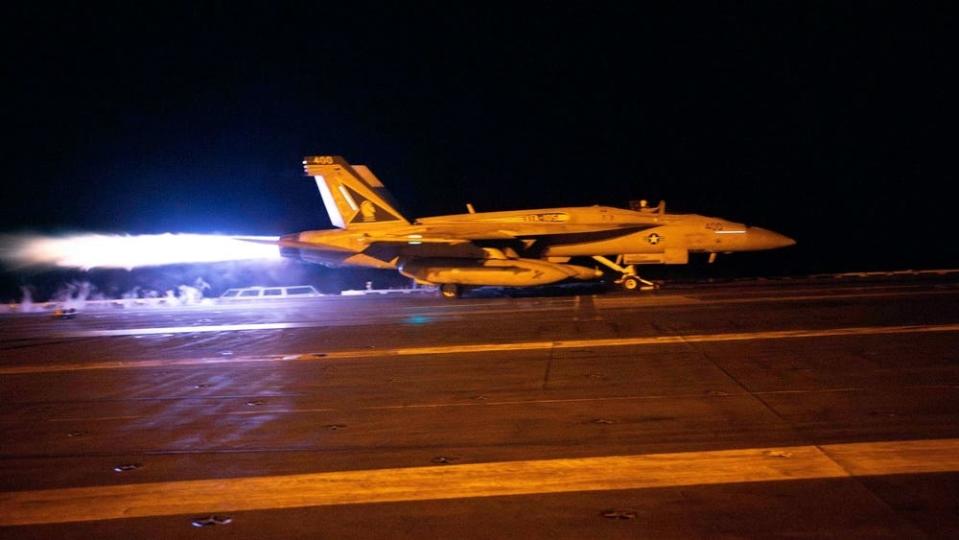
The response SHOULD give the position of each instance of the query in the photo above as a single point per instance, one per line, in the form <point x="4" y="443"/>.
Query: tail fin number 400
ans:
<point x="353" y="196"/>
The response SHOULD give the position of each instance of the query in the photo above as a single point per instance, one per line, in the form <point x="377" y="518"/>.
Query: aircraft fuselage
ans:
<point x="508" y="248"/>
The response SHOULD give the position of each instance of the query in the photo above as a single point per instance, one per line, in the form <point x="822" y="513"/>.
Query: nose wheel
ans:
<point x="635" y="283"/>
<point x="630" y="280"/>
<point x="630" y="283"/>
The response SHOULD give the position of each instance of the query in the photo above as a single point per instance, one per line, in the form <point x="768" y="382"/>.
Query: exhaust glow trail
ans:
<point x="88" y="251"/>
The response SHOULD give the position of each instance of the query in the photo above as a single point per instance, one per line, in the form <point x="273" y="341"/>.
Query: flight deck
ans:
<point x="804" y="407"/>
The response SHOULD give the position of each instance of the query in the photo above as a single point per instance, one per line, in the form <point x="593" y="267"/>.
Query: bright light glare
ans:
<point x="88" y="251"/>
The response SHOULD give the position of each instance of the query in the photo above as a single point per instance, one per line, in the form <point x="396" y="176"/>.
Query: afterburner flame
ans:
<point x="88" y="251"/>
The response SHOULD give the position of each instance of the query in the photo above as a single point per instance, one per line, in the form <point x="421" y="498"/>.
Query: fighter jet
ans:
<point x="518" y="248"/>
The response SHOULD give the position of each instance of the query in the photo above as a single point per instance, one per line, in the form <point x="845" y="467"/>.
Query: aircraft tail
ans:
<point x="354" y="197"/>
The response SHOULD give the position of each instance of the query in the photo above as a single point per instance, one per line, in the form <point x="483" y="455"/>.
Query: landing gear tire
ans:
<point x="450" y="290"/>
<point x="631" y="283"/>
<point x="636" y="283"/>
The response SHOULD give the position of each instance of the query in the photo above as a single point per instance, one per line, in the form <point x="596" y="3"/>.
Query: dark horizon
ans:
<point x="831" y="124"/>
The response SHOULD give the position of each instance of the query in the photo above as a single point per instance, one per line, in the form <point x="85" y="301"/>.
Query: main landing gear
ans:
<point x="450" y="290"/>
<point x="629" y="280"/>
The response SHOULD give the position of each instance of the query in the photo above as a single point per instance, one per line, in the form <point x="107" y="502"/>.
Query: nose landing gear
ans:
<point x="630" y="280"/>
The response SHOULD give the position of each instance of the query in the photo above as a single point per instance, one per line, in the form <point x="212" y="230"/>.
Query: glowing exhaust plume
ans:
<point x="88" y="251"/>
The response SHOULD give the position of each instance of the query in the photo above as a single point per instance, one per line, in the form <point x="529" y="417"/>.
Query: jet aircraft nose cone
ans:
<point x="760" y="238"/>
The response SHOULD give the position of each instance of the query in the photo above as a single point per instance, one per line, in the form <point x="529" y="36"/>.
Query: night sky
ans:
<point x="834" y="123"/>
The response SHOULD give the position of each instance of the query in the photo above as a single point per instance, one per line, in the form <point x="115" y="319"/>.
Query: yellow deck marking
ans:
<point x="636" y="302"/>
<point x="478" y="480"/>
<point x="671" y="339"/>
<point x="493" y="347"/>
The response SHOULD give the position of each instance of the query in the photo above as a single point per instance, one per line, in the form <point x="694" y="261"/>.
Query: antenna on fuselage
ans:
<point x="470" y="209"/>
<point x="643" y="206"/>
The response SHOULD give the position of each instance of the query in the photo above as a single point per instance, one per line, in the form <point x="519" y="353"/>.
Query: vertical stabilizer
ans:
<point x="354" y="197"/>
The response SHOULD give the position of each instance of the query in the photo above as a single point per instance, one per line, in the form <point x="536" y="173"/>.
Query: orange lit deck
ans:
<point x="808" y="408"/>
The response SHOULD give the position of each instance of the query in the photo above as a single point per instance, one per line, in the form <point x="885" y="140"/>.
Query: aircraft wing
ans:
<point x="459" y="233"/>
